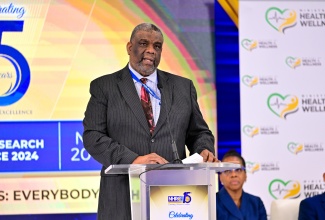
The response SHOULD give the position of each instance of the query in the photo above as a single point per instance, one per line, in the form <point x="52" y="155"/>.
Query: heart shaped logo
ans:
<point x="279" y="19"/>
<point x="248" y="44"/>
<point x="295" y="148"/>
<point x="250" y="131"/>
<point x="252" y="167"/>
<point x="280" y="189"/>
<point x="293" y="62"/>
<point x="282" y="105"/>
<point x="250" y="81"/>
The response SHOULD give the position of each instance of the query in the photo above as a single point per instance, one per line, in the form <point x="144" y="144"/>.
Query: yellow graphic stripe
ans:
<point x="293" y="192"/>
<point x="231" y="8"/>
<point x="290" y="106"/>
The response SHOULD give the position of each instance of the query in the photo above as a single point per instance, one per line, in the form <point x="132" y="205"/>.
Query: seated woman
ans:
<point x="232" y="202"/>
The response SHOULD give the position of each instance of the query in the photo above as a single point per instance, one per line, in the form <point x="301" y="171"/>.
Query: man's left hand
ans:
<point x="208" y="156"/>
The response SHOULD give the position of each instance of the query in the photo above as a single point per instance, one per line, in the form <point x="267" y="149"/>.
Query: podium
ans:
<point x="172" y="191"/>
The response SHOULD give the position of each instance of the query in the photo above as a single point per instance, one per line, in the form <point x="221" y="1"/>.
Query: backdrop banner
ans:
<point x="282" y="66"/>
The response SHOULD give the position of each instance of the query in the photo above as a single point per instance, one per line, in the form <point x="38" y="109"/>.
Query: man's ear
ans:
<point x="324" y="176"/>
<point x="128" y="47"/>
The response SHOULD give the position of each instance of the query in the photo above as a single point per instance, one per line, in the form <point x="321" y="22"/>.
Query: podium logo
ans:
<point x="280" y="20"/>
<point x="250" y="81"/>
<point x="185" y="198"/>
<point x="252" y="167"/>
<point x="295" y="148"/>
<point x="280" y="189"/>
<point x="293" y="62"/>
<point x="250" y="131"/>
<point x="281" y="105"/>
<point x="249" y="45"/>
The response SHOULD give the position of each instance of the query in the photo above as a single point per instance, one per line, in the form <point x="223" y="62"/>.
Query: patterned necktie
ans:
<point x="146" y="105"/>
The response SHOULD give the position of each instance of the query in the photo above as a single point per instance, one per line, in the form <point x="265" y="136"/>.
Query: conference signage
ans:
<point x="282" y="67"/>
<point x="179" y="202"/>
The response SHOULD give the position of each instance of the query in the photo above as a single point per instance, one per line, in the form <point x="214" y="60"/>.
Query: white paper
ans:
<point x="195" y="158"/>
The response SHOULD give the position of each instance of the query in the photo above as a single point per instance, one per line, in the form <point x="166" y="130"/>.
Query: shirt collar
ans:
<point x="152" y="77"/>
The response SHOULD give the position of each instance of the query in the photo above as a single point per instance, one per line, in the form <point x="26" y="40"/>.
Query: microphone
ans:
<point x="176" y="160"/>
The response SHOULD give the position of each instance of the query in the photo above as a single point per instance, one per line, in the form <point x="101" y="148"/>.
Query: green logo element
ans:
<point x="293" y="62"/>
<point x="282" y="105"/>
<point x="280" y="19"/>
<point x="249" y="81"/>
<point x="252" y="167"/>
<point x="280" y="189"/>
<point x="250" y="131"/>
<point x="295" y="148"/>
<point x="248" y="44"/>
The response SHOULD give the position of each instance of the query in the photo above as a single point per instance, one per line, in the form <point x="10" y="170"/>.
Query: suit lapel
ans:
<point x="229" y="204"/>
<point x="323" y="201"/>
<point x="166" y="99"/>
<point x="129" y="92"/>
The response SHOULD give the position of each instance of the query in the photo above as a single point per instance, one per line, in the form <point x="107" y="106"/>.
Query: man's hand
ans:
<point x="152" y="158"/>
<point x="208" y="156"/>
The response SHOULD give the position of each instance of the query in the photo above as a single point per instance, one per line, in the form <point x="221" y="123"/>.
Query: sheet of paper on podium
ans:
<point x="195" y="158"/>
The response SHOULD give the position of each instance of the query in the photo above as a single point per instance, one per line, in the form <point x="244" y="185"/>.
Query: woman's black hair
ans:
<point x="234" y="153"/>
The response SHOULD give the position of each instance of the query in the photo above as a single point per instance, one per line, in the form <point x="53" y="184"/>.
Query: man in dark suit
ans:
<point x="117" y="130"/>
<point x="313" y="208"/>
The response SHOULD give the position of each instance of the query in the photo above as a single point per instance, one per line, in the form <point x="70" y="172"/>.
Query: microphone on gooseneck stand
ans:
<point x="176" y="160"/>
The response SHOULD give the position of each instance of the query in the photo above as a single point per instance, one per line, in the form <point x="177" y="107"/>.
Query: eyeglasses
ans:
<point x="237" y="171"/>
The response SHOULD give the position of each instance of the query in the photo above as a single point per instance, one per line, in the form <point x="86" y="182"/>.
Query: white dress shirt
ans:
<point x="152" y="82"/>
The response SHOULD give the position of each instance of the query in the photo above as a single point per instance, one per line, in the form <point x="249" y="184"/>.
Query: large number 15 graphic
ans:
<point x="13" y="85"/>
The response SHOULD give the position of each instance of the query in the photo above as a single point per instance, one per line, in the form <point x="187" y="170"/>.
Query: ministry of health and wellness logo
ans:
<point x="293" y="62"/>
<point x="295" y="148"/>
<point x="14" y="69"/>
<point x="252" y="167"/>
<point x="281" y="19"/>
<point x="249" y="44"/>
<point x="265" y="166"/>
<point x="250" y="130"/>
<point x="280" y="189"/>
<point x="250" y="81"/>
<point x="282" y="105"/>
<point x="306" y="147"/>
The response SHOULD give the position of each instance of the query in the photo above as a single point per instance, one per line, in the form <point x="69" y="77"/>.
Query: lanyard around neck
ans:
<point x="147" y="88"/>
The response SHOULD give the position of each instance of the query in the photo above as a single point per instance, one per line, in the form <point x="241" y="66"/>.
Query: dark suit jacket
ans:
<point x="116" y="131"/>
<point x="252" y="207"/>
<point x="312" y="208"/>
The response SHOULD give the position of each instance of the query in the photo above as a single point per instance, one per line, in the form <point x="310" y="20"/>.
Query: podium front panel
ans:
<point x="153" y="187"/>
<point x="173" y="194"/>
